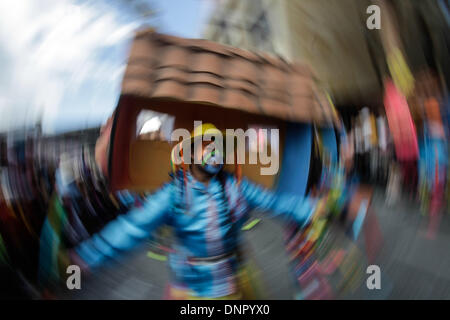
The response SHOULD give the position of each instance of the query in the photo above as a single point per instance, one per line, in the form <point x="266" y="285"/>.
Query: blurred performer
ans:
<point x="435" y="161"/>
<point x="206" y="207"/>
<point x="404" y="135"/>
<point x="384" y="155"/>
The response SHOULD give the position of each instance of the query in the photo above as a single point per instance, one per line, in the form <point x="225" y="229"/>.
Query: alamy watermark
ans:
<point x="374" y="20"/>
<point x="374" y="280"/>
<point x="74" y="280"/>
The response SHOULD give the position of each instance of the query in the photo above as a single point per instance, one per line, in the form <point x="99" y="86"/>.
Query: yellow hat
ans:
<point x="200" y="131"/>
<point x="206" y="129"/>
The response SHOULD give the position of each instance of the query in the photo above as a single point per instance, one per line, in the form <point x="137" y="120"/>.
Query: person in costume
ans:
<point x="434" y="163"/>
<point x="206" y="206"/>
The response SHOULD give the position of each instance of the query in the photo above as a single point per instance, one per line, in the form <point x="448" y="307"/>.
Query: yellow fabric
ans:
<point x="183" y="294"/>
<point x="248" y="288"/>
<point x="374" y="137"/>
<point x="400" y="72"/>
<point x="333" y="109"/>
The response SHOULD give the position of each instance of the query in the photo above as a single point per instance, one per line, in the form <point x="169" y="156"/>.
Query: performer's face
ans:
<point x="203" y="156"/>
<point x="198" y="151"/>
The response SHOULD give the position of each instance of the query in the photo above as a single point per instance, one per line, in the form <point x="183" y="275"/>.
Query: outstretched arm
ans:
<point x="288" y="206"/>
<point x="128" y="230"/>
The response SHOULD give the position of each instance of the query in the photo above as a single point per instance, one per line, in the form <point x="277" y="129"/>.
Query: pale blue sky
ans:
<point x="65" y="59"/>
<point x="184" y="17"/>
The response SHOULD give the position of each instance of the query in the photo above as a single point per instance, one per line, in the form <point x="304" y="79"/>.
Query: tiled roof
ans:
<point x="195" y="70"/>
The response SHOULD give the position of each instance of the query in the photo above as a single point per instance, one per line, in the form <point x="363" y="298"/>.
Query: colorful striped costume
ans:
<point x="207" y="220"/>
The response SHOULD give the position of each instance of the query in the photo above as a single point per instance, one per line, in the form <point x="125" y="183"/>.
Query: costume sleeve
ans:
<point x="128" y="230"/>
<point x="288" y="206"/>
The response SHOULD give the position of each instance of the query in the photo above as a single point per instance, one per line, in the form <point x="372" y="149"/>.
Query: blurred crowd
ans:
<point x="405" y="149"/>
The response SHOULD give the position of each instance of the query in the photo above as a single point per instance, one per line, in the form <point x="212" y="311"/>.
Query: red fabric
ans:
<point x="400" y="123"/>
<point x="436" y="205"/>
